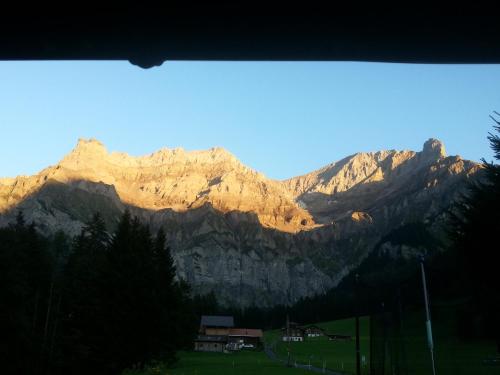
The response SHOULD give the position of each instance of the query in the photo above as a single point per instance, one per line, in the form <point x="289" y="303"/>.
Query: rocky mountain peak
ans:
<point x="86" y="152"/>
<point x="434" y="148"/>
<point x="92" y="154"/>
<point x="90" y="145"/>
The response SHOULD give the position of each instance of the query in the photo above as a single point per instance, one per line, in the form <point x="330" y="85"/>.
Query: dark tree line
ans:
<point x="25" y="277"/>
<point x="475" y="231"/>
<point x="96" y="304"/>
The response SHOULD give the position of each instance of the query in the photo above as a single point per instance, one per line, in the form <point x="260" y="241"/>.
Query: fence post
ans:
<point x="358" y="350"/>
<point x="428" y="325"/>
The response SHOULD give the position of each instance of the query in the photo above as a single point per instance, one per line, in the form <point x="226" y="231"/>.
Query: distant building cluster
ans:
<point x="297" y="333"/>
<point x="218" y="334"/>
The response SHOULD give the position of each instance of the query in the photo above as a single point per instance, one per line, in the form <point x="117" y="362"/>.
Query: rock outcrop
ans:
<point x="251" y="239"/>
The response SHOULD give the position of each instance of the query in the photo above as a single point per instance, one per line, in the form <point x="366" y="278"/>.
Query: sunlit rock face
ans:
<point x="251" y="239"/>
<point x="391" y="187"/>
<point x="182" y="180"/>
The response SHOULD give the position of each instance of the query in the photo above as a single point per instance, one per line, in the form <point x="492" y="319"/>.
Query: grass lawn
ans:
<point x="339" y="355"/>
<point x="453" y="355"/>
<point x="239" y="363"/>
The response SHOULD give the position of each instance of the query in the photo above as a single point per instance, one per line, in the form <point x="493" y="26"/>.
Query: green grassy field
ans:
<point x="339" y="355"/>
<point x="453" y="356"/>
<point x="238" y="363"/>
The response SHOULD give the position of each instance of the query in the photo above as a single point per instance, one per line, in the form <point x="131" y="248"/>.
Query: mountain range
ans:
<point x="250" y="239"/>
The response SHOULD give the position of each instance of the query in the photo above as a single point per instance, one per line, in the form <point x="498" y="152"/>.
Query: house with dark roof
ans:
<point x="213" y="333"/>
<point x="217" y="333"/>
<point x="216" y="325"/>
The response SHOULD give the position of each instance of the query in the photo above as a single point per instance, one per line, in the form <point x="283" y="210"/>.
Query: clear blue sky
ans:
<point x="280" y="118"/>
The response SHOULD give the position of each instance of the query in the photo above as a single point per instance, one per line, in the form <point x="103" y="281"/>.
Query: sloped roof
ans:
<point x="248" y="332"/>
<point x="217" y="321"/>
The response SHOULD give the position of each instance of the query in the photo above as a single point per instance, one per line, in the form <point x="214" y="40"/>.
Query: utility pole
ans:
<point x="288" y="340"/>
<point x="358" y="351"/>
<point x="428" y="325"/>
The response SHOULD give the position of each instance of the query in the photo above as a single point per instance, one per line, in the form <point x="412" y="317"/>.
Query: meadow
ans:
<point x="336" y="355"/>
<point x="453" y="355"/>
<point x="246" y="362"/>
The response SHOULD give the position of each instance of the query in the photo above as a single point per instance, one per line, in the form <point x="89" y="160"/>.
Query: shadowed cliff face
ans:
<point x="250" y="239"/>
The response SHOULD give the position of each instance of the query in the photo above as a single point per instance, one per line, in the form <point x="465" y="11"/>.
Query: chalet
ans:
<point x="217" y="334"/>
<point x="293" y="332"/>
<point x="213" y="334"/>
<point x="314" y="331"/>
<point x="245" y="337"/>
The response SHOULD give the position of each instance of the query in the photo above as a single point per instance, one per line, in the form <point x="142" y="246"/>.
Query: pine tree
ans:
<point x="475" y="227"/>
<point x="59" y="250"/>
<point x="143" y="296"/>
<point x="122" y="304"/>
<point x="162" y="257"/>
<point x="83" y="305"/>
<point x="25" y="269"/>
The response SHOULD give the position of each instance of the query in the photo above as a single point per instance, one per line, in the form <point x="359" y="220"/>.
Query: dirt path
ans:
<point x="272" y="355"/>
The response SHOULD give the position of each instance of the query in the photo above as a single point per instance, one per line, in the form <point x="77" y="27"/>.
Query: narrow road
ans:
<point x="272" y="355"/>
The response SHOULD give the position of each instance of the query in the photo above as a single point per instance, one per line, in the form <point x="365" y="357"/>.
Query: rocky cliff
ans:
<point x="251" y="239"/>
